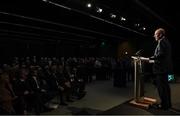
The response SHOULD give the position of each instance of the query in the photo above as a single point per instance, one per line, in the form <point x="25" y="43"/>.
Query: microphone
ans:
<point x="139" y="52"/>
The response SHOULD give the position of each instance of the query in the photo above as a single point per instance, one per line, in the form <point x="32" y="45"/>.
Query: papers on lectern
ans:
<point x="142" y="58"/>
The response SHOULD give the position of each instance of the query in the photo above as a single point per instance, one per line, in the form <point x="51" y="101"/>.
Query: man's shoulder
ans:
<point x="164" y="41"/>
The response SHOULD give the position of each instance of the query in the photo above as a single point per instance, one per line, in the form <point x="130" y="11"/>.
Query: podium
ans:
<point x="139" y="99"/>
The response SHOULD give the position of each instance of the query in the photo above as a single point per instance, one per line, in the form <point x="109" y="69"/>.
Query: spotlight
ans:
<point x="99" y="10"/>
<point x="45" y="0"/>
<point x="137" y="25"/>
<point x="123" y="19"/>
<point x="89" y="5"/>
<point x="144" y="28"/>
<point x="113" y="15"/>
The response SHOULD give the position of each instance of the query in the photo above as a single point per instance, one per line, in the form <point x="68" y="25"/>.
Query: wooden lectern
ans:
<point x="139" y="99"/>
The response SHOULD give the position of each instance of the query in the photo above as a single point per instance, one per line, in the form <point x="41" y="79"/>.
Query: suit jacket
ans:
<point x="163" y="58"/>
<point x="20" y="87"/>
<point x="33" y="85"/>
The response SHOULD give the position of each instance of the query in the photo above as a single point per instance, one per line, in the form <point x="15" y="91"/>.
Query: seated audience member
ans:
<point x="7" y="95"/>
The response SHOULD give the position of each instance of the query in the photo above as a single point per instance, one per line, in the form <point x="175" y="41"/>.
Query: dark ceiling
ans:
<point x="72" y="21"/>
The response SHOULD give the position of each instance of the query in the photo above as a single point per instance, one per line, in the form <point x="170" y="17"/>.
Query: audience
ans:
<point x="28" y="84"/>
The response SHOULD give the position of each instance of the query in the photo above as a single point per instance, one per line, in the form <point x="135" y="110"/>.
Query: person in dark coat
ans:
<point x="7" y="96"/>
<point x="162" y="67"/>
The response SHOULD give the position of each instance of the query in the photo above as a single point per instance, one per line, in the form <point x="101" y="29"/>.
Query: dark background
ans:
<point x="35" y="27"/>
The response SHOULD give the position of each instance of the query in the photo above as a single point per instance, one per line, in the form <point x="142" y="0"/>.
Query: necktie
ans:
<point x="156" y="50"/>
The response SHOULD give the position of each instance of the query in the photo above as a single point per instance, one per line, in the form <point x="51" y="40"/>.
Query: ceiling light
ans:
<point x="144" y="28"/>
<point x="89" y="5"/>
<point x="137" y="25"/>
<point x="45" y="0"/>
<point x="99" y="10"/>
<point x="113" y="15"/>
<point x="123" y="19"/>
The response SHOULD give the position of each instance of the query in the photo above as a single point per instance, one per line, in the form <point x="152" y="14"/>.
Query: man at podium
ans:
<point x="162" y="67"/>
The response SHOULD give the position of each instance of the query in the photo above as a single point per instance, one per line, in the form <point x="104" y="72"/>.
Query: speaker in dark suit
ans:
<point x="162" y="67"/>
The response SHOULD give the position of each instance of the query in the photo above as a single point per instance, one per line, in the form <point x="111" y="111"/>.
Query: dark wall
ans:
<point x="133" y="45"/>
<point x="10" y="47"/>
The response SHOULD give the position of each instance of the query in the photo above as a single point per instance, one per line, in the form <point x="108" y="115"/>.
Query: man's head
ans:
<point x="159" y="34"/>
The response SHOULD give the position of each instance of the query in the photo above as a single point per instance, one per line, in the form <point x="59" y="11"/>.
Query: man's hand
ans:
<point x="26" y="92"/>
<point x="151" y="61"/>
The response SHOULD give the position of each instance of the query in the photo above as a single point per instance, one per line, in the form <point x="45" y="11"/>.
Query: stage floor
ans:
<point x="128" y="109"/>
<point x="103" y="98"/>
